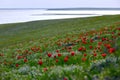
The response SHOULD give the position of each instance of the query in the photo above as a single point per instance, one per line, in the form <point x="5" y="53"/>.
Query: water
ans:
<point x="23" y="15"/>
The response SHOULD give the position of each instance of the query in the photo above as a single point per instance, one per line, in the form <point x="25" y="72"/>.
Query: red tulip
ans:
<point x="103" y="55"/>
<point x="80" y="49"/>
<point x="57" y="51"/>
<point x="19" y="57"/>
<point x="56" y="60"/>
<point x="91" y="40"/>
<point x="111" y="50"/>
<point x="107" y="46"/>
<point x="67" y="56"/>
<point x="72" y="53"/>
<point x="85" y="55"/>
<point x="84" y="42"/>
<point x="49" y="54"/>
<point x="94" y="54"/>
<point x="25" y="60"/>
<point x="112" y="32"/>
<point x="99" y="43"/>
<point x="84" y="59"/>
<point x="118" y="28"/>
<point x="45" y="69"/>
<point x="40" y="62"/>
<point x="59" y="54"/>
<point x="54" y="56"/>
<point x="103" y="39"/>
<point x="70" y="47"/>
<point x="65" y="79"/>
<point x="90" y="47"/>
<point x="65" y="59"/>
<point x="16" y="65"/>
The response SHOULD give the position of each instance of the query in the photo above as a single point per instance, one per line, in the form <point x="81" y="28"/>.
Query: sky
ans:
<point x="59" y="3"/>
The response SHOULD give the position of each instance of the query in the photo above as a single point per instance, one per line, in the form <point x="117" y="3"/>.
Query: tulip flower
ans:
<point x="84" y="59"/>
<point x="17" y="65"/>
<point x="56" y="60"/>
<point x="25" y="60"/>
<point x="94" y="54"/>
<point x="65" y="59"/>
<point x="84" y="55"/>
<point x="72" y="53"/>
<point x="57" y="51"/>
<point x="45" y="69"/>
<point x="80" y="49"/>
<point x="90" y="47"/>
<point x="49" y="54"/>
<point x="40" y="62"/>
<point x="59" y="54"/>
<point x="65" y="79"/>
<point x="111" y="50"/>
<point x="103" y="55"/>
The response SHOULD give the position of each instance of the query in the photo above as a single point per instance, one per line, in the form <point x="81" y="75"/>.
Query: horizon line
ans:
<point x="78" y="8"/>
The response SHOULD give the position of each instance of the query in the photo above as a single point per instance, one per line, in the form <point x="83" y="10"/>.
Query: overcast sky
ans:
<point x="59" y="3"/>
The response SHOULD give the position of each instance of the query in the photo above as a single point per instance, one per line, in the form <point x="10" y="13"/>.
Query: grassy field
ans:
<point x="68" y="49"/>
<point x="23" y="32"/>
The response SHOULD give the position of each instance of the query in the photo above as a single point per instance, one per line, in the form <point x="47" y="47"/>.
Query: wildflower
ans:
<point x="67" y="56"/>
<point x="19" y="57"/>
<point x="103" y="55"/>
<point x="90" y="47"/>
<point x="72" y="53"/>
<point x="45" y="69"/>
<point x="59" y="54"/>
<point x="54" y="56"/>
<point x="57" y="51"/>
<point x="40" y="62"/>
<point x="107" y="46"/>
<point x="91" y="40"/>
<point x="65" y="79"/>
<point x="80" y="49"/>
<point x="94" y="54"/>
<point x="56" y="60"/>
<point x="103" y="39"/>
<point x="49" y="54"/>
<point x="65" y="59"/>
<point x="25" y="60"/>
<point x="111" y="50"/>
<point x="99" y="43"/>
<point x="84" y="59"/>
<point x="16" y="65"/>
<point x="84" y="42"/>
<point x="84" y="54"/>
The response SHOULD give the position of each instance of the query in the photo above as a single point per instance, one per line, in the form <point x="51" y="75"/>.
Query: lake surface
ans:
<point x="14" y="16"/>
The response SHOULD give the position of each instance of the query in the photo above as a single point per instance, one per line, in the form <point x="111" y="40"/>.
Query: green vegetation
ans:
<point x="23" y="32"/>
<point x="68" y="49"/>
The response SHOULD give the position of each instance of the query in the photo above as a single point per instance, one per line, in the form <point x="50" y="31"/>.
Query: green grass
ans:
<point x="35" y="40"/>
<point x="23" y="32"/>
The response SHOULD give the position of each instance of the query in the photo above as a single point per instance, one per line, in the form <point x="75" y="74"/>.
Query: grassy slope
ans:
<point x="42" y="33"/>
<point x="21" y="32"/>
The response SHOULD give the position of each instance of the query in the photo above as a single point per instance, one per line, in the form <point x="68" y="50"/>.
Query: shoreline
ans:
<point x="51" y="19"/>
<point x="18" y="16"/>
